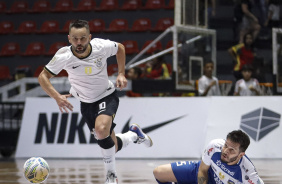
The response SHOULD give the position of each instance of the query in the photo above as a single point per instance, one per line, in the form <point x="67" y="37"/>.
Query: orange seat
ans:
<point x="10" y="49"/>
<point x="131" y="5"/>
<point x="170" y="5"/>
<point x="154" y="4"/>
<point x="41" y="6"/>
<point x="112" y="68"/>
<point x="65" y="28"/>
<point x="131" y="46"/>
<point x="86" y="5"/>
<point x="4" y="72"/>
<point x="38" y="71"/>
<point x="163" y="24"/>
<point x="63" y="6"/>
<point x="118" y="25"/>
<point x="107" y="5"/>
<point x="19" y="6"/>
<point x="26" y="27"/>
<point x="142" y="24"/>
<point x="2" y="7"/>
<point x="49" y="26"/>
<point x="34" y="49"/>
<point x="154" y="48"/>
<point x="6" y="27"/>
<point x="96" y="25"/>
<point x="55" y="47"/>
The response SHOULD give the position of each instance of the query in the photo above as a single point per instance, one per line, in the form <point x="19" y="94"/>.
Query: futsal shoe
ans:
<point x="141" y="136"/>
<point x="111" y="178"/>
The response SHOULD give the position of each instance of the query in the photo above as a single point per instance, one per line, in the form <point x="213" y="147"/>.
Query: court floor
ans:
<point x="91" y="171"/>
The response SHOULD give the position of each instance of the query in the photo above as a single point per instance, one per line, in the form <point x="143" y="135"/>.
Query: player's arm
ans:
<point x="121" y="81"/>
<point x="203" y="173"/>
<point x="44" y="81"/>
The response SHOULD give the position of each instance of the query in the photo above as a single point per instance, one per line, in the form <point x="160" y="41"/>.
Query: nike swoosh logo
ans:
<point x="150" y="128"/>
<point x="101" y="111"/>
<point x="74" y="67"/>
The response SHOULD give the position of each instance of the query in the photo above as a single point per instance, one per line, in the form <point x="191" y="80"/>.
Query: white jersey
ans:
<point x="243" y="172"/>
<point x="245" y="87"/>
<point x="204" y="82"/>
<point x="88" y="76"/>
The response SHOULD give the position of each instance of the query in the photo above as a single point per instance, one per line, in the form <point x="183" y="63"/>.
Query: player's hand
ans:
<point x="64" y="104"/>
<point x="212" y="83"/>
<point x="121" y="81"/>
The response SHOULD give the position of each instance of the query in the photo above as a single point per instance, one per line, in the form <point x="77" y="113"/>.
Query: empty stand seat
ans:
<point x="131" y="46"/>
<point x="26" y="27"/>
<point x="2" y="7"/>
<point x="118" y="25"/>
<point x="86" y="5"/>
<point x="6" y="27"/>
<point x="107" y="5"/>
<point x="63" y="73"/>
<point x="4" y="72"/>
<point x="41" y="6"/>
<point x="34" y="49"/>
<point x="55" y="47"/>
<point x="154" y="4"/>
<point x="163" y="24"/>
<point x="131" y="5"/>
<point x="38" y="70"/>
<point x="65" y="28"/>
<point x="156" y="47"/>
<point x="49" y="26"/>
<point x="63" y="6"/>
<point x="96" y="25"/>
<point x="18" y="7"/>
<point x="112" y="68"/>
<point x="170" y="5"/>
<point x="10" y="49"/>
<point x="142" y="24"/>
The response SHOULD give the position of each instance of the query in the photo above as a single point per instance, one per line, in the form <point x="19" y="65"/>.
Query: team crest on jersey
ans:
<point x="98" y="62"/>
<point x="221" y="176"/>
<point x="230" y="182"/>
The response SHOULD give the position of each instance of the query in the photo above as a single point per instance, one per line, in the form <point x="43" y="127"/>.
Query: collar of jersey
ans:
<point x="85" y="56"/>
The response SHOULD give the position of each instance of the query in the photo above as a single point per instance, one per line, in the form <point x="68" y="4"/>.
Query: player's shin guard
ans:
<point x="127" y="138"/>
<point x="108" y="151"/>
<point x="163" y="183"/>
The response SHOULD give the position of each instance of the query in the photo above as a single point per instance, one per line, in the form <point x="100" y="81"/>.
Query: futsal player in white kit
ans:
<point x="86" y="64"/>
<point x="223" y="162"/>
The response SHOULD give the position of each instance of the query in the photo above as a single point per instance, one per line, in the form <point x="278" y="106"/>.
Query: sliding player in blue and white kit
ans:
<point x="86" y="64"/>
<point x="223" y="162"/>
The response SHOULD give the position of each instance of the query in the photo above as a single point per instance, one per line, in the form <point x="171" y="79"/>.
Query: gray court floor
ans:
<point x="91" y="171"/>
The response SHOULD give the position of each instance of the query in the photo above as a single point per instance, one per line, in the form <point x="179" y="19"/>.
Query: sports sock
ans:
<point x="127" y="138"/>
<point x="163" y="183"/>
<point x="108" y="151"/>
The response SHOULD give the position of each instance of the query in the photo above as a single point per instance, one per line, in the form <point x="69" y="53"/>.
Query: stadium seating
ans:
<point x="6" y="27"/>
<point x="4" y="72"/>
<point x="63" y="6"/>
<point x="154" y="4"/>
<point x="3" y="7"/>
<point x="155" y="48"/>
<point x="55" y="47"/>
<point x="34" y="49"/>
<point x="112" y="68"/>
<point x="142" y="24"/>
<point x="96" y="25"/>
<point x="27" y="27"/>
<point x="118" y="25"/>
<point x="49" y="26"/>
<point x="19" y="6"/>
<point x="41" y="6"/>
<point x="38" y="70"/>
<point x="131" y="46"/>
<point x="65" y="28"/>
<point x="107" y="5"/>
<point x="163" y="24"/>
<point x="86" y="5"/>
<point x="170" y="5"/>
<point x="63" y="73"/>
<point x="10" y="49"/>
<point x="131" y="5"/>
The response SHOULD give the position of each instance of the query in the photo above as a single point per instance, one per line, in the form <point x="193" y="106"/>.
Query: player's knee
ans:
<point x="157" y="173"/>
<point x="101" y="131"/>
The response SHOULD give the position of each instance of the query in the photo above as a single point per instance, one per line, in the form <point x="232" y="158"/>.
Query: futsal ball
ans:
<point x="36" y="170"/>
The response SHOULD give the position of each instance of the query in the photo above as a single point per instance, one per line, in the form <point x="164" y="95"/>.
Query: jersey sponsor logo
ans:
<point x="219" y="164"/>
<point x="88" y="70"/>
<point x="74" y="67"/>
<point x="180" y="163"/>
<point x="221" y="176"/>
<point x="209" y="151"/>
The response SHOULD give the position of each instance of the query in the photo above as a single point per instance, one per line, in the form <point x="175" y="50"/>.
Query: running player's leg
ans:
<point x="180" y="172"/>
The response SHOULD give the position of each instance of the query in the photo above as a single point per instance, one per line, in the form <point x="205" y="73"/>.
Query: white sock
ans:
<point x="109" y="159"/>
<point x="127" y="138"/>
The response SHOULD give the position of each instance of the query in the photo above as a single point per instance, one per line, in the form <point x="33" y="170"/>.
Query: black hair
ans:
<point x="208" y="62"/>
<point x="245" y="38"/>
<point x="238" y="136"/>
<point x="247" y="67"/>
<point x="79" y="24"/>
